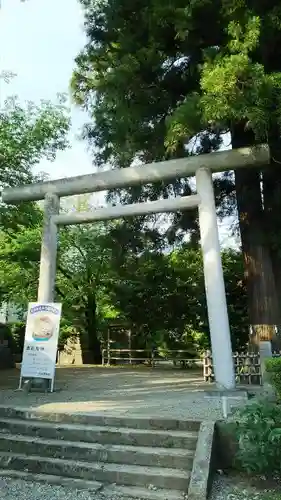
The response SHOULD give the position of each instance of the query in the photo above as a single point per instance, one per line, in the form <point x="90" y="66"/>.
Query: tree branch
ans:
<point x="64" y="272"/>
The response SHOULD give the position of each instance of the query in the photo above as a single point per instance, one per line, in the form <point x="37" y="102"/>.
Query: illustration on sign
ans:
<point x="44" y="325"/>
<point x="43" y="328"/>
<point x="41" y="341"/>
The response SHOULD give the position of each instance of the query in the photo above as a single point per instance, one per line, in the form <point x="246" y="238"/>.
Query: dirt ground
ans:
<point x="149" y="392"/>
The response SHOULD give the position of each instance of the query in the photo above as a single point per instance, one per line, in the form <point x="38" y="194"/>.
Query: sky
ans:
<point x="39" y="40"/>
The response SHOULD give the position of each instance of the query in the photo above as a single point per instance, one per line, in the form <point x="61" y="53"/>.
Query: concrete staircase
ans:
<point x="134" y="457"/>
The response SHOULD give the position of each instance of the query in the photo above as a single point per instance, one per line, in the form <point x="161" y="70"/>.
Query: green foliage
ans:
<point x="154" y="75"/>
<point x="154" y="52"/>
<point x="5" y="333"/>
<point x="82" y="278"/>
<point x="259" y="435"/>
<point x="67" y="331"/>
<point x="19" y="257"/>
<point x="273" y="370"/>
<point x="18" y="333"/>
<point x="173" y="283"/>
<point x="28" y="133"/>
<point x="164" y="80"/>
<point x="132" y="74"/>
<point x="160" y="294"/>
<point x="236" y="296"/>
<point x="14" y="335"/>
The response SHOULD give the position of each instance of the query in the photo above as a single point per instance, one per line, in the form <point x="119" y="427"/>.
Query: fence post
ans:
<point x="152" y="358"/>
<point x="204" y="366"/>
<point x="208" y="366"/>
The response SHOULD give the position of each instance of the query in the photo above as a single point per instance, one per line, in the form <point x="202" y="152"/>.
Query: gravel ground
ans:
<point x="153" y="393"/>
<point x="15" y="489"/>
<point x="12" y="489"/>
<point x="228" y="489"/>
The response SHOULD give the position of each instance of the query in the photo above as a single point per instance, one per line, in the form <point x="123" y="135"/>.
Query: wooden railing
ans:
<point x="148" y="356"/>
<point x="246" y="365"/>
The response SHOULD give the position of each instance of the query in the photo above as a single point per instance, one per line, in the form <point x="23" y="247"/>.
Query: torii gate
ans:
<point x="202" y="166"/>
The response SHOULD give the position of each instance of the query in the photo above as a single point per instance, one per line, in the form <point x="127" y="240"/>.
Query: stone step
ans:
<point x="121" y="492"/>
<point x="134" y="455"/>
<point x="108" y="492"/>
<point x="100" y="420"/>
<point x="102" y="435"/>
<point x="123" y="475"/>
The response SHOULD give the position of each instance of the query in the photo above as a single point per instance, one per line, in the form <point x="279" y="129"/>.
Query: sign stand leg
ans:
<point x="52" y="383"/>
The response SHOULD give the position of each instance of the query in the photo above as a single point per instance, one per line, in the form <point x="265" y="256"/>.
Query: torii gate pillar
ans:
<point x="214" y="282"/>
<point x="47" y="273"/>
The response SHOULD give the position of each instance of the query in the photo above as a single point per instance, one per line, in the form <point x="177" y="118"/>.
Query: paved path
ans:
<point x="122" y="391"/>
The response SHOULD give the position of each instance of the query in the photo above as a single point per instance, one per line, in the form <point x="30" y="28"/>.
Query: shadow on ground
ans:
<point x="144" y="391"/>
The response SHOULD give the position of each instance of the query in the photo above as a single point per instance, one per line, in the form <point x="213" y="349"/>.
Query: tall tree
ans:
<point x="28" y="133"/>
<point x="240" y="89"/>
<point x="82" y="276"/>
<point x="161" y="295"/>
<point x="134" y="70"/>
<point x="155" y="75"/>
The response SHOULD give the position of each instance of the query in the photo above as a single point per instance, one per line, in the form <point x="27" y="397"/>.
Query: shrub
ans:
<point x="259" y="438"/>
<point x="273" y="370"/>
<point x="18" y="334"/>
<point x="5" y="333"/>
<point x="67" y="330"/>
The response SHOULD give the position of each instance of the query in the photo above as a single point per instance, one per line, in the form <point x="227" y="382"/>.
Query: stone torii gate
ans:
<point x="202" y="166"/>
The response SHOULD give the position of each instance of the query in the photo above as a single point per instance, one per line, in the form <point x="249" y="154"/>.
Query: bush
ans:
<point x="6" y="333"/>
<point x="67" y="330"/>
<point x="259" y="438"/>
<point x="6" y="356"/>
<point x="273" y="370"/>
<point x="18" y="334"/>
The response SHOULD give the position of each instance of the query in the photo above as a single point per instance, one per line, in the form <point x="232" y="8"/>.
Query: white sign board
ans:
<point x="41" y="340"/>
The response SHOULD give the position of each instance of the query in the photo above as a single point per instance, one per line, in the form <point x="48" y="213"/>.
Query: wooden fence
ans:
<point x="247" y="365"/>
<point x="148" y="356"/>
<point x="247" y="368"/>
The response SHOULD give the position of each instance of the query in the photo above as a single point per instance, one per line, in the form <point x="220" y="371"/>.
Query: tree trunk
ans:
<point x="93" y="340"/>
<point x="272" y="210"/>
<point x="259" y="276"/>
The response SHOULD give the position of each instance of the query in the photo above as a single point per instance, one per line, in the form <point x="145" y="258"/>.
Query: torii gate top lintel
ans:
<point x="141" y="174"/>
